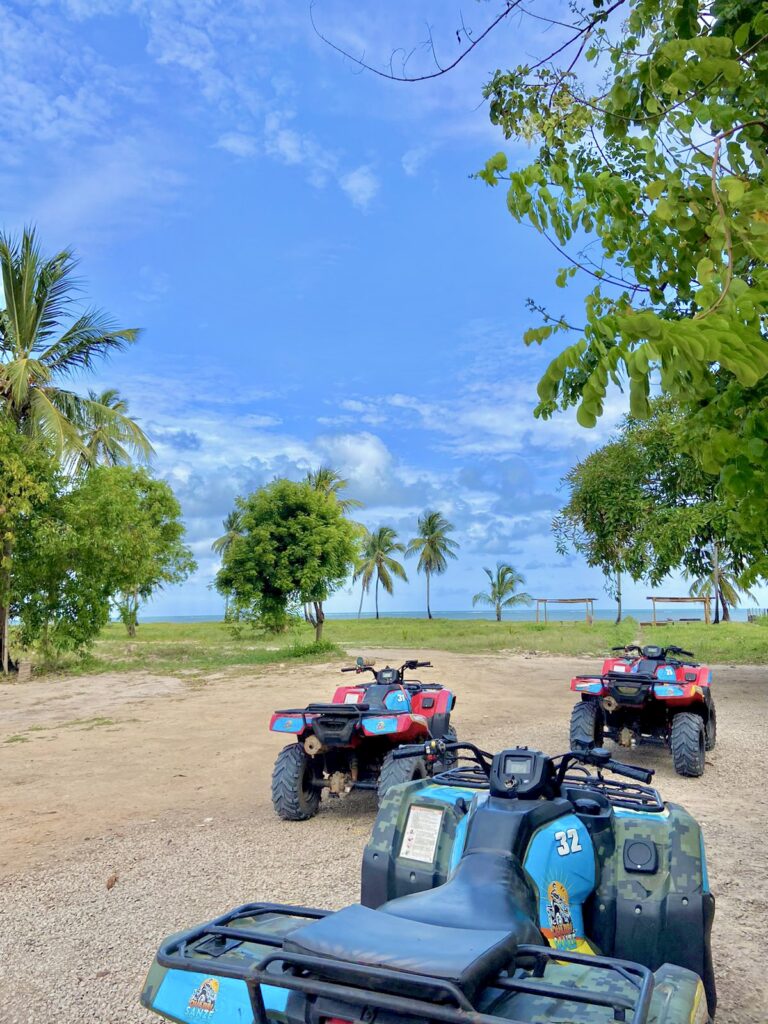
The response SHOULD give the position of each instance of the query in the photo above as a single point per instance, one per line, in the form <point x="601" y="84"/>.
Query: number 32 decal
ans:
<point x="568" y="842"/>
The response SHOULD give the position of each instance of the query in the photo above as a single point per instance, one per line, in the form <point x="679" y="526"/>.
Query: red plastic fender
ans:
<point x="348" y="695"/>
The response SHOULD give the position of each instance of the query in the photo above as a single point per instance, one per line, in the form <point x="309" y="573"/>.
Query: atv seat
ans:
<point x="646" y="667"/>
<point x="464" y="957"/>
<point x="487" y="889"/>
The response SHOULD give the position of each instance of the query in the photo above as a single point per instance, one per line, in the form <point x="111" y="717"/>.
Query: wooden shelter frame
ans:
<point x="588" y="602"/>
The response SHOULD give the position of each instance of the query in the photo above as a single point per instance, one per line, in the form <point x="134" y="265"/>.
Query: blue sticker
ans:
<point x="194" y="998"/>
<point x="288" y="724"/>
<point x="377" y="726"/>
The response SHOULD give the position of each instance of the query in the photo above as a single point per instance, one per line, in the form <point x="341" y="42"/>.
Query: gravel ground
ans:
<point x="73" y="950"/>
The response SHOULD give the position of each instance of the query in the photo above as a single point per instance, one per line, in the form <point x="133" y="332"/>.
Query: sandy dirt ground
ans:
<point x="165" y="784"/>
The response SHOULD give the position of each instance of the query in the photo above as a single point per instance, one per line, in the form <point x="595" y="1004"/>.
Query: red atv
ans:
<point x="348" y="744"/>
<point x="648" y="696"/>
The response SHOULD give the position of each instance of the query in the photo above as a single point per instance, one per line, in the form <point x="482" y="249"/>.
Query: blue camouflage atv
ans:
<point x="514" y="888"/>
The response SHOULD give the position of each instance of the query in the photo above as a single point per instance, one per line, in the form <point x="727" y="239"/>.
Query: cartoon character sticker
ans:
<point x="560" y="932"/>
<point x="202" y="1002"/>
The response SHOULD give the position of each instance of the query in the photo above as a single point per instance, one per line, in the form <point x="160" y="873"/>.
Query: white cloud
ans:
<point x="361" y="185"/>
<point x="413" y="160"/>
<point x="238" y="144"/>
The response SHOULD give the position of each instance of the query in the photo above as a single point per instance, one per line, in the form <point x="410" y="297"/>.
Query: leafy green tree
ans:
<point x="604" y="514"/>
<point x="377" y="559"/>
<point x="152" y="534"/>
<point x="295" y="548"/>
<point x="113" y="534"/>
<point x="643" y="505"/>
<point x="650" y="176"/>
<point x="503" y="582"/>
<point x="433" y="546"/>
<point x="27" y="479"/>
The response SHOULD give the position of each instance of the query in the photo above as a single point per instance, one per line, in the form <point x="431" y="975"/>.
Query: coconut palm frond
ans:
<point x="91" y="337"/>
<point x="330" y="482"/>
<point x="47" y="420"/>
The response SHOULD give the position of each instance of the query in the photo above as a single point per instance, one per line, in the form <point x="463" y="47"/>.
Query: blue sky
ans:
<point x="318" y="278"/>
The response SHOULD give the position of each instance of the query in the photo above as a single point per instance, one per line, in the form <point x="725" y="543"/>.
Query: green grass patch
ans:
<point x="195" y="650"/>
<point x="198" y="650"/>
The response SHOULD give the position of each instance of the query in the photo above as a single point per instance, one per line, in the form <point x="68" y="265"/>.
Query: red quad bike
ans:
<point x="648" y="696"/>
<point x="349" y="743"/>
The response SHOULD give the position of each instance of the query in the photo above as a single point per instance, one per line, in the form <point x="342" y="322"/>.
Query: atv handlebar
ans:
<point x="597" y="757"/>
<point x="433" y="749"/>
<point x="678" y="650"/>
<point x="630" y="771"/>
<point x="600" y="758"/>
<point x="672" y="649"/>
<point x="406" y="666"/>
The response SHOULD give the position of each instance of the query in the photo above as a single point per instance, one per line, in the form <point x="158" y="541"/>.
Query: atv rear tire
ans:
<point x="710" y="732"/>
<point x="586" y="725"/>
<point x="394" y="772"/>
<point x="688" y="743"/>
<point x="293" y="795"/>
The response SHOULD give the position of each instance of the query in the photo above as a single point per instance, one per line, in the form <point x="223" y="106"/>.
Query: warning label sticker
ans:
<point x="421" y="834"/>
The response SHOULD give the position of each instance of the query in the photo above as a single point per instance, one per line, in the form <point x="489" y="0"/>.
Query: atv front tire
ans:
<point x="710" y="732"/>
<point x="293" y="795"/>
<point x="586" y="725"/>
<point x="688" y="743"/>
<point x="394" y="772"/>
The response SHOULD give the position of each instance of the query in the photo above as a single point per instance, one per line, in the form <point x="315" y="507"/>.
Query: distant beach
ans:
<point x="523" y="615"/>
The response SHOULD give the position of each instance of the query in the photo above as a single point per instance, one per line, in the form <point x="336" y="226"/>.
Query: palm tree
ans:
<point x="105" y="439"/>
<point x="232" y="529"/>
<point x="501" y="593"/>
<point x="376" y="557"/>
<point x="726" y="590"/>
<point x="34" y="356"/>
<point x="42" y="342"/>
<point x="328" y="481"/>
<point x="433" y="546"/>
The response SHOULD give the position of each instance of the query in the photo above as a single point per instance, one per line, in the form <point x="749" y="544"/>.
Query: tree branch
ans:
<point x="511" y="6"/>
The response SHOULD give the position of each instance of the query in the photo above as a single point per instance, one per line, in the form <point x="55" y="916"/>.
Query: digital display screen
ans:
<point x="517" y="764"/>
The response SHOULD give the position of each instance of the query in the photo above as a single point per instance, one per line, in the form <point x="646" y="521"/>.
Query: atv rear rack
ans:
<point x="367" y="987"/>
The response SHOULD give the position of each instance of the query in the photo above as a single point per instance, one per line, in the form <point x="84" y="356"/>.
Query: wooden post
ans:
<point x="545" y="611"/>
<point x="537" y="611"/>
<point x="653" y="605"/>
<point x="707" y="611"/>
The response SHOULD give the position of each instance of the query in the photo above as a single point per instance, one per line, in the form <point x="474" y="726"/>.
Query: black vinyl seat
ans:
<point x="487" y="890"/>
<point x="465" y="957"/>
<point x="464" y="931"/>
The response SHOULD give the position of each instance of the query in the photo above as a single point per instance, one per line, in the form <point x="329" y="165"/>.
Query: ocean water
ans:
<point x="563" y="614"/>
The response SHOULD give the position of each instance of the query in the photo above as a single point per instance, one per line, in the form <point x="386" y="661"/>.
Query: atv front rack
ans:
<point x="632" y="796"/>
<point x="363" y="988"/>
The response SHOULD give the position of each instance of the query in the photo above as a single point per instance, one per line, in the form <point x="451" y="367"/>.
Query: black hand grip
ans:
<point x="408" y="751"/>
<point x="348" y="670"/>
<point x="630" y="771"/>
<point x="423" y="664"/>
